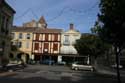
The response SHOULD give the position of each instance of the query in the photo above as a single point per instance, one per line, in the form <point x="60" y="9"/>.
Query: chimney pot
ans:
<point x="71" y="26"/>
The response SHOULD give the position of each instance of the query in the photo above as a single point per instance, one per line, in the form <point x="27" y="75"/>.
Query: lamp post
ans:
<point x="88" y="60"/>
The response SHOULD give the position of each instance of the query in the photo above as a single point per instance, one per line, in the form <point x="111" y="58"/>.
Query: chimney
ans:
<point x="71" y="26"/>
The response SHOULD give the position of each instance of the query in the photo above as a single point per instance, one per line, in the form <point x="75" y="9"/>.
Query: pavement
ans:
<point x="33" y="69"/>
<point x="55" y="74"/>
<point x="10" y="71"/>
<point x="110" y="71"/>
<point x="6" y="74"/>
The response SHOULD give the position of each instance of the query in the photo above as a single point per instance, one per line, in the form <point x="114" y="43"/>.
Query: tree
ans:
<point x="111" y="24"/>
<point x="14" y="48"/>
<point x="92" y="45"/>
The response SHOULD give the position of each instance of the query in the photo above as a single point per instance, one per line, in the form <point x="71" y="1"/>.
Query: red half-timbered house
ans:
<point x="46" y="44"/>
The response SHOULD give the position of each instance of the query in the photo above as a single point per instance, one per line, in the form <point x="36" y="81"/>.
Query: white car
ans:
<point x="81" y="66"/>
<point x="115" y="66"/>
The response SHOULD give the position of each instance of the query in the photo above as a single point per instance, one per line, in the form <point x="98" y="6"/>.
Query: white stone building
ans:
<point x="68" y="40"/>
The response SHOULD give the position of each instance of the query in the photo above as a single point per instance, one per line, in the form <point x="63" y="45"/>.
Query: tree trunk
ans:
<point x="117" y="52"/>
<point x="95" y="64"/>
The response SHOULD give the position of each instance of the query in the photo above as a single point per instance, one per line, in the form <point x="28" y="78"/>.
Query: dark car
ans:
<point x="47" y="62"/>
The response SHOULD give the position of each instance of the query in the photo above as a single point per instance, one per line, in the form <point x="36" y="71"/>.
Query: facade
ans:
<point x="46" y="44"/>
<point x="34" y="40"/>
<point x="23" y="38"/>
<point x="6" y="20"/>
<point x="68" y="40"/>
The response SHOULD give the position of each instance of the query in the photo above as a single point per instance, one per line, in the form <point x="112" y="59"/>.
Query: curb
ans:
<point x="4" y="74"/>
<point x="109" y="72"/>
<point x="106" y="72"/>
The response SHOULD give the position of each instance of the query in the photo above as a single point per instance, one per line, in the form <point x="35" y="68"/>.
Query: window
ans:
<point x="36" y="46"/>
<point x="55" y="47"/>
<point x="28" y="36"/>
<point x="66" y="40"/>
<point x="27" y="45"/>
<point x="7" y="26"/>
<point x="46" y="37"/>
<point x="7" y="23"/>
<point x="3" y="24"/>
<point x="55" y="37"/>
<point x="37" y="36"/>
<point x="46" y="46"/>
<point x="20" y="35"/>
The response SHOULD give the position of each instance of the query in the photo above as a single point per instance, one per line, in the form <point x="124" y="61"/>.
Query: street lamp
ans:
<point x="88" y="60"/>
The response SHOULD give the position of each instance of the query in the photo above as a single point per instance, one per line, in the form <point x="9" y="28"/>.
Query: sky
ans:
<point x="57" y="13"/>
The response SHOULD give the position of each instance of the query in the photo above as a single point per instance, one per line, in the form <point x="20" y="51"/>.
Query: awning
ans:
<point x="68" y="50"/>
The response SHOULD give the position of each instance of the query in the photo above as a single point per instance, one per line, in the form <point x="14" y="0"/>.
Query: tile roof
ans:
<point x="42" y="20"/>
<point x="50" y="30"/>
<point x="35" y="30"/>
<point x="23" y="29"/>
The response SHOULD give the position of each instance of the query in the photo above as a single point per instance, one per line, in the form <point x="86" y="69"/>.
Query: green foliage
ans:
<point x="112" y="16"/>
<point x="91" y="45"/>
<point x="96" y="29"/>
<point x="14" y="48"/>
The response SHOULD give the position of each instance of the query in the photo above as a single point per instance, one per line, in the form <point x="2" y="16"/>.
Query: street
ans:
<point x="57" y="74"/>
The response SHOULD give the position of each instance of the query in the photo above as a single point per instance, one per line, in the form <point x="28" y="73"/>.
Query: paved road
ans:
<point x="57" y="74"/>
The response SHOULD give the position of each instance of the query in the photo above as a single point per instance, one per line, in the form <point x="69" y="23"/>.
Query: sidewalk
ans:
<point x="109" y="71"/>
<point x="9" y="71"/>
<point x="5" y="74"/>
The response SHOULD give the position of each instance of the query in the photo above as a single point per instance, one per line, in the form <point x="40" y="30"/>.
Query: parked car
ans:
<point x="48" y="62"/>
<point x="80" y="66"/>
<point x="115" y="66"/>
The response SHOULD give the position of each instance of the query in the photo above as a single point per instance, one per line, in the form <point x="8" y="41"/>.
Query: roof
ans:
<point x="29" y="24"/>
<point x="23" y="29"/>
<point x="48" y="30"/>
<point x="35" y="30"/>
<point x="42" y="20"/>
<point x="5" y="3"/>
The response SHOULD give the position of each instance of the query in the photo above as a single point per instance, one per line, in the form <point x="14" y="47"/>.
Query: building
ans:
<point x="46" y="44"/>
<point x="6" y="21"/>
<point x="22" y="38"/>
<point x="68" y="39"/>
<point x="41" y="23"/>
